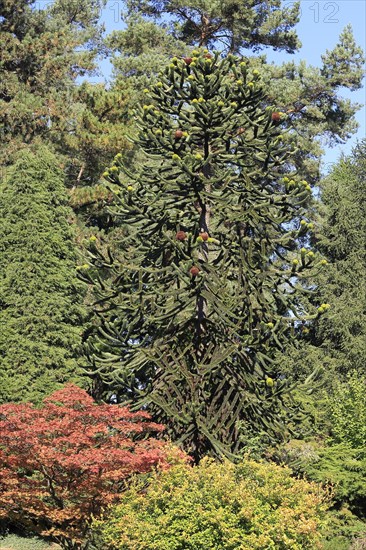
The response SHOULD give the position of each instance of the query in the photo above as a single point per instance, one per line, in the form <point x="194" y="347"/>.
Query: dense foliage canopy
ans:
<point x="63" y="462"/>
<point x="42" y="312"/>
<point x="201" y="241"/>
<point x="213" y="506"/>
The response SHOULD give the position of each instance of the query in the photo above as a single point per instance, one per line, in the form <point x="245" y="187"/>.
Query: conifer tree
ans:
<point x="234" y="24"/>
<point x="43" y="51"/>
<point x="156" y="30"/>
<point x="311" y="96"/>
<point x="337" y="342"/>
<point x="99" y="133"/>
<point x="341" y="238"/>
<point x="43" y="54"/>
<point x="207" y="281"/>
<point x="334" y="346"/>
<point x="139" y="51"/>
<point x="41" y="311"/>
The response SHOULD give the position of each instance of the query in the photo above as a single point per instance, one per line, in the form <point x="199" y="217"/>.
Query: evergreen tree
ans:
<point x="337" y="343"/>
<point x="99" y="133"/>
<point x="209" y="276"/>
<point x="43" y="51"/>
<point x="235" y="24"/>
<point x="139" y="52"/>
<point x="311" y="96"/>
<point x="41" y="312"/>
<point x="155" y="31"/>
<point x="44" y="54"/>
<point x="340" y="236"/>
<point x="334" y="346"/>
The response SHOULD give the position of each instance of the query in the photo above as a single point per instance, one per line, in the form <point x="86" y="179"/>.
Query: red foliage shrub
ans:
<point x="62" y="463"/>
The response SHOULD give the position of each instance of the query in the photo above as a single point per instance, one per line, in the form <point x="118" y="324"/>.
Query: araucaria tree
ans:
<point x="207" y="284"/>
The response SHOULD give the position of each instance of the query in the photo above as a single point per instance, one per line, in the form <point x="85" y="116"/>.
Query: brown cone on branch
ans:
<point x="276" y="116"/>
<point x="194" y="271"/>
<point x="181" y="235"/>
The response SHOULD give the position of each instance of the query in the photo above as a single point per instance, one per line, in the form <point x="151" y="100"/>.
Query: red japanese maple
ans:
<point x="64" y="462"/>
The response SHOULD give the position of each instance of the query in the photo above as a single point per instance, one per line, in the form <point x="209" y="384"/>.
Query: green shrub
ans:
<point x="347" y="411"/>
<point x="215" y="506"/>
<point x="344" y="531"/>
<point x="338" y="465"/>
<point x="343" y="469"/>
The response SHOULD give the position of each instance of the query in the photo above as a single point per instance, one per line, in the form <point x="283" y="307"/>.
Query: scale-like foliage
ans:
<point x="41" y="311"/>
<point x="207" y="283"/>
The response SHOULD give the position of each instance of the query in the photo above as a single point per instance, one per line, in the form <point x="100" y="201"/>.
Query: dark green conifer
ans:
<point x="43" y="51"/>
<point x="41" y="312"/>
<point x="206" y="284"/>
<point x="318" y="114"/>
<point x="341" y="238"/>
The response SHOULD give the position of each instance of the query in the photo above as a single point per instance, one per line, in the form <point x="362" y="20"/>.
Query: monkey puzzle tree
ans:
<point x="154" y="31"/>
<point x="206" y="283"/>
<point x="312" y="96"/>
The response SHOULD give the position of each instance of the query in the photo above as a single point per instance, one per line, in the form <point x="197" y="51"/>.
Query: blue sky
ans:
<point x="321" y="23"/>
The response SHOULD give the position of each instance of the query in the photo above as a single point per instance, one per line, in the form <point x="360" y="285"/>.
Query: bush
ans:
<point x="61" y="463"/>
<point x="217" y="506"/>
<point x="342" y="468"/>
<point x="347" y="411"/>
<point x="344" y="530"/>
<point x="338" y="465"/>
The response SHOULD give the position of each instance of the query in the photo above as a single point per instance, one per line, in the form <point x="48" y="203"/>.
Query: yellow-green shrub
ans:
<point x="216" y="506"/>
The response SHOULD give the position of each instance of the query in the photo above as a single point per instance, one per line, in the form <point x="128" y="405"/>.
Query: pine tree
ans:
<point x="155" y="31"/>
<point x="99" y="133"/>
<point x="209" y="273"/>
<point x="235" y="24"/>
<point x="41" y="312"/>
<point x="139" y="51"/>
<point x="43" y="51"/>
